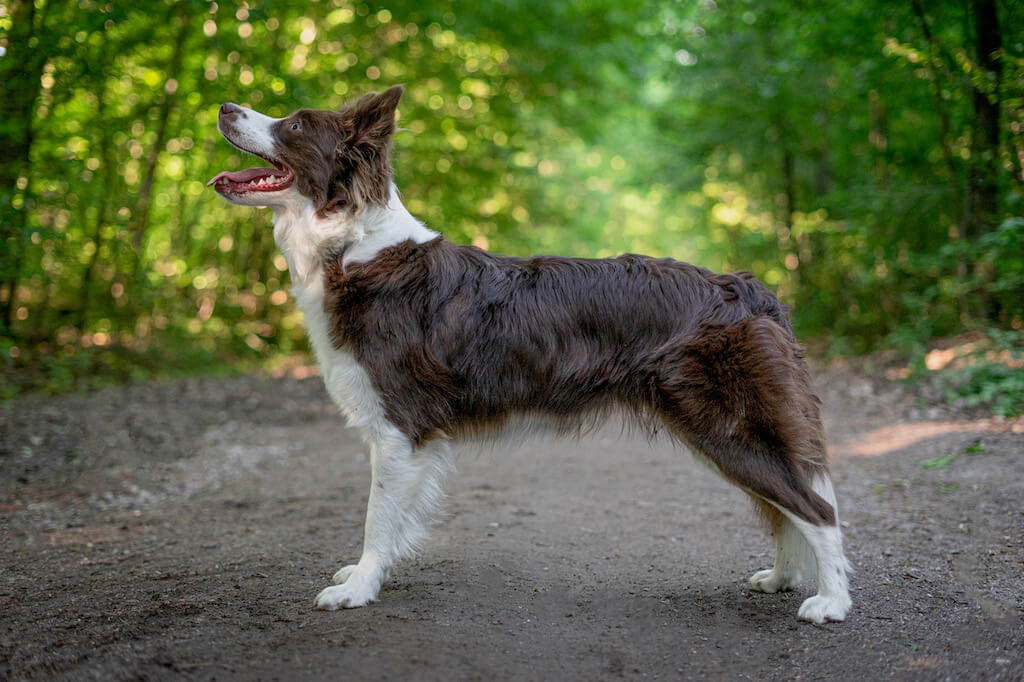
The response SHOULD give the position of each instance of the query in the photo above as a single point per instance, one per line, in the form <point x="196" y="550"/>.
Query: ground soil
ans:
<point x="181" y="530"/>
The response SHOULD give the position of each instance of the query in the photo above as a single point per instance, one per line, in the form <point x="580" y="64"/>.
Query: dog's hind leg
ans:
<point x="794" y="534"/>
<point x="794" y="560"/>
<point x="833" y="599"/>
<point x="405" y="493"/>
<point x="740" y="396"/>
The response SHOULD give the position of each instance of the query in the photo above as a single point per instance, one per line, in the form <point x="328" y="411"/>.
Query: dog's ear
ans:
<point x="373" y="116"/>
<point x="362" y="165"/>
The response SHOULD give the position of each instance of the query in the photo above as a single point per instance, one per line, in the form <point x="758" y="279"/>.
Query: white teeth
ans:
<point x="266" y="180"/>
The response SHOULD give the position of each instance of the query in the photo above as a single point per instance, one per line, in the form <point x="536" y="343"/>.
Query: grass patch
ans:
<point x="946" y="460"/>
<point x="939" y="462"/>
<point x="980" y="369"/>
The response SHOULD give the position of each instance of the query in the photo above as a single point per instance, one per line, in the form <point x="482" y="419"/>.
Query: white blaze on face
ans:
<point x="251" y="131"/>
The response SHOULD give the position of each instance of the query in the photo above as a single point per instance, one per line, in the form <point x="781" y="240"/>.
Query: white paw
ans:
<point x="770" y="581"/>
<point x="353" y="594"/>
<point x="342" y="575"/>
<point x="821" y="608"/>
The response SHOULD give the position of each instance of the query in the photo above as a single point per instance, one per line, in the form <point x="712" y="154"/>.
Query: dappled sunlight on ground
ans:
<point x="888" y="439"/>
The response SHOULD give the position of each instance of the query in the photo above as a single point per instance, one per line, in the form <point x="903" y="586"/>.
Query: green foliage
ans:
<point x="836" y="150"/>
<point x="946" y="460"/>
<point x="939" y="462"/>
<point x="987" y="372"/>
<point x="997" y="384"/>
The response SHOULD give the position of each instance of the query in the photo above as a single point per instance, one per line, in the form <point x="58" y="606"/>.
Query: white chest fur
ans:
<point x="347" y="382"/>
<point x="303" y="237"/>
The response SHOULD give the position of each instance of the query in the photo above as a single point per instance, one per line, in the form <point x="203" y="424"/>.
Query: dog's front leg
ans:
<point x="405" y="491"/>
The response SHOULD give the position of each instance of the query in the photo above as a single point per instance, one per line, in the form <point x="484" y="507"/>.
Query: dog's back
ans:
<point x="460" y="339"/>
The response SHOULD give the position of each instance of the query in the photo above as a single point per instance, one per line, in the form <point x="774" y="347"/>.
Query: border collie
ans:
<point x="422" y="342"/>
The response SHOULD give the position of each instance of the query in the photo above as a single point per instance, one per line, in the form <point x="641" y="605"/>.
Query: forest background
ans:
<point x="864" y="158"/>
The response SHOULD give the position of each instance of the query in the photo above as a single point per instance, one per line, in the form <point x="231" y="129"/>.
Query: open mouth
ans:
<point x="253" y="179"/>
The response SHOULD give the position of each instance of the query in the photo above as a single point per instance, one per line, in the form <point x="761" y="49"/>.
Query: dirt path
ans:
<point x="182" y="530"/>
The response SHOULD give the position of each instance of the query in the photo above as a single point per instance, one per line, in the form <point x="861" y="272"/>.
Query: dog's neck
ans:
<point x="304" y="237"/>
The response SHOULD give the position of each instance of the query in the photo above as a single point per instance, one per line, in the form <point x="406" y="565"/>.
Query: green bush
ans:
<point x="988" y="373"/>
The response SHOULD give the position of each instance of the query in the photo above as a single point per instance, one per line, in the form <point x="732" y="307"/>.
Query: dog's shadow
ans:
<point x="512" y="593"/>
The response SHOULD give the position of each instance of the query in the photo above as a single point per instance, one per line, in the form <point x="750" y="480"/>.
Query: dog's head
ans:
<point x="337" y="160"/>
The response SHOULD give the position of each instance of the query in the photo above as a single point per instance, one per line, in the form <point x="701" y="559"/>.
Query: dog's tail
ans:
<point x="740" y="395"/>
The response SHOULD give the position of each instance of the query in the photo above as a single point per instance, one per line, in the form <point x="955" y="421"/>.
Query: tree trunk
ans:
<point x="796" y="241"/>
<point x="20" y="75"/>
<point x="788" y="188"/>
<point x="984" y="168"/>
<point x="878" y="136"/>
<point x="102" y="210"/>
<point x="173" y="72"/>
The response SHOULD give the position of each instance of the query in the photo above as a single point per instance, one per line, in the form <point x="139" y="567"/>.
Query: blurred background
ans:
<point x="864" y="158"/>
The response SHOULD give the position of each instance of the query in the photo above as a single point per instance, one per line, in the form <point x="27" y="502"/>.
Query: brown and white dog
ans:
<point x="422" y="342"/>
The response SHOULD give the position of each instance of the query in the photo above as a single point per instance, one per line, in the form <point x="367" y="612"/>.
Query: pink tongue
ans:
<point x="244" y="175"/>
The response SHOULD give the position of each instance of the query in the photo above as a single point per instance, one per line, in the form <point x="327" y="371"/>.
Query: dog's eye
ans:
<point x="296" y="126"/>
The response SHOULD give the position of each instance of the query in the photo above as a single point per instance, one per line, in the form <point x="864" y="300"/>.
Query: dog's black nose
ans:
<point x="228" y="109"/>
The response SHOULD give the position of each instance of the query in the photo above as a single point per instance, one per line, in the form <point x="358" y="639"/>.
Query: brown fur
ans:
<point x="458" y="340"/>
<point x="345" y="156"/>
